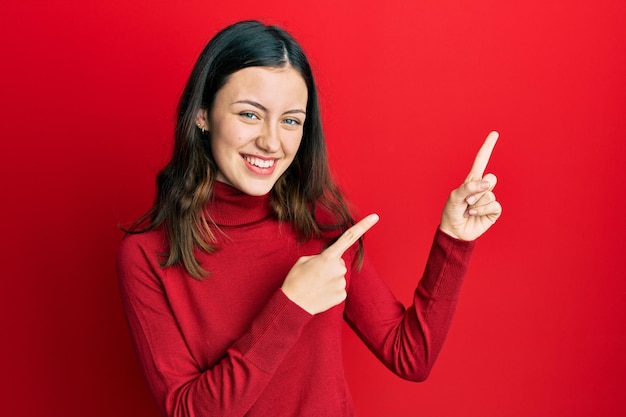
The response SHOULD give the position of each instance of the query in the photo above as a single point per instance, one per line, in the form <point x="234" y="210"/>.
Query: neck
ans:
<point x="232" y="207"/>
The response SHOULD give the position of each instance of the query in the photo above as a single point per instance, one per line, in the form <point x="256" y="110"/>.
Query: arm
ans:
<point x="180" y="387"/>
<point x="409" y="340"/>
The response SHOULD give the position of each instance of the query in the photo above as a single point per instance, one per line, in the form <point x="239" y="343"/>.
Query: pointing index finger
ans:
<point x="350" y="236"/>
<point x="482" y="157"/>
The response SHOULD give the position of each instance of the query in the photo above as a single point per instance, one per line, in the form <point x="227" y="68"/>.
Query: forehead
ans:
<point x="282" y="86"/>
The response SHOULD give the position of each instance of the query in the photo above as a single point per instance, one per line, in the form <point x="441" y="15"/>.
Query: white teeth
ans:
<point x="261" y="163"/>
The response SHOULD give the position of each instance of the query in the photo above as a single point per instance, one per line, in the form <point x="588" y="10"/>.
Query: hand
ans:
<point x="317" y="283"/>
<point x="472" y="208"/>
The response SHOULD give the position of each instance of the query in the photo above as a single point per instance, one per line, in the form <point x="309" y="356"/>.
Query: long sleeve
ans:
<point x="180" y="385"/>
<point x="408" y="340"/>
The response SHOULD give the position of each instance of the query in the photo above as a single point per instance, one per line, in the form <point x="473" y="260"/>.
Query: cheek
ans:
<point x="292" y="144"/>
<point x="226" y="138"/>
<point x="224" y="152"/>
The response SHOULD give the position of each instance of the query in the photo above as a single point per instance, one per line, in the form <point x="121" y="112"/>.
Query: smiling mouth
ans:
<point x="258" y="162"/>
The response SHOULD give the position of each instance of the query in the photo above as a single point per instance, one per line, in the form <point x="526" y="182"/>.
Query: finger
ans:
<point x="491" y="179"/>
<point x="470" y="192"/>
<point x="491" y="210"/>
<point x="351" y="235"/>
<point x="484" y="199"/>
<point x="482" y="157"/>
<point x="476" y="189"/>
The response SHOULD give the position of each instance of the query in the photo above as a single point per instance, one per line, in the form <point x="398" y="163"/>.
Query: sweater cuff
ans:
<point x="441" y="236"/>
<point x="447" y="266"/>
<point x="272" y="334"/>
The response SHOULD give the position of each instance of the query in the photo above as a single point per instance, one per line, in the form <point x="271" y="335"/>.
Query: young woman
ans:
<point x="235" y="284"/>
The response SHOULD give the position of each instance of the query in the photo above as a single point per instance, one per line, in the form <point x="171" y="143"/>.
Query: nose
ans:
<point x="269" y="140"/>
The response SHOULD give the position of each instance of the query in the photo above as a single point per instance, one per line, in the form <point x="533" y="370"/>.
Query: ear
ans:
<point x="202" y="121"/>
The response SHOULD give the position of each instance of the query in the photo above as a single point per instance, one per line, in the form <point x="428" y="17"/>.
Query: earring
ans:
<point x="201" y="128"/>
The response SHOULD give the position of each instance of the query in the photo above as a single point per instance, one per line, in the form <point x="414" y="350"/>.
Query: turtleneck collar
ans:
<point x="231" y="207"/>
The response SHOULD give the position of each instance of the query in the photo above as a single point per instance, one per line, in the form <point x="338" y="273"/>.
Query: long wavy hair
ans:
<point x="185" y="185"/>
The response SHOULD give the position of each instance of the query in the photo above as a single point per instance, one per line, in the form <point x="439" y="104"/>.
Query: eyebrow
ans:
<point x="265" y="109"/>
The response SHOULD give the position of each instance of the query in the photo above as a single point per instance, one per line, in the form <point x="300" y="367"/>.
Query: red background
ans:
<point x="409" y="91"/>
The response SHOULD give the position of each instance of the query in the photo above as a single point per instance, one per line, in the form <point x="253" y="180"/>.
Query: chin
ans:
<point x="257" y="192"/>
<point x="255" y="188"/>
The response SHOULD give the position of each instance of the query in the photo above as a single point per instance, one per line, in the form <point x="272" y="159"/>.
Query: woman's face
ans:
<point x="256" y="125"/>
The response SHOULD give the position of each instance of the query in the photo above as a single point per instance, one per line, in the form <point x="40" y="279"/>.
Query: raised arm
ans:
<point x="408" y="340"/>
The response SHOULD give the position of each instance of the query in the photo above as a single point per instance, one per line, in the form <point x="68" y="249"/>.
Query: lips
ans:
<point x="260" y="166"/>
<point x="258" y="162"/>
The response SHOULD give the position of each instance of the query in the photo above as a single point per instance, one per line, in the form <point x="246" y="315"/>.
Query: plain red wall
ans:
<point x="409" y="89"/>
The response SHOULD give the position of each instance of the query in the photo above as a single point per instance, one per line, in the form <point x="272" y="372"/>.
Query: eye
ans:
<point x="292" y="122"/>
<point x="248" y="115"/>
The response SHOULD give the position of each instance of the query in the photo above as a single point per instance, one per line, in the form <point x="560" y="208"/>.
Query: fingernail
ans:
<point x="471" y="199"/>
<point x="484" y="185"/>
<point x="473" y="212"/>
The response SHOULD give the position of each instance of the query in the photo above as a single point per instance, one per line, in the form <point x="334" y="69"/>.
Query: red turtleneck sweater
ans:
<point x="233" y="344"/>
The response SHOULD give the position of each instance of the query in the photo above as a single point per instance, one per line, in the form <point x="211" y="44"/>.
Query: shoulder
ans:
<point x="153" y="240"/>
<point x="324" y="216"/>
<point x="333" y="225"/>
<point x="141" y="251"/>
<point x="333" y="211"/>
<point x="329" y="221"/>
